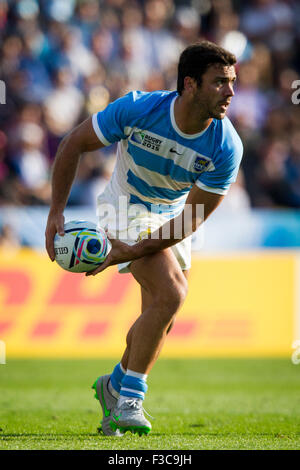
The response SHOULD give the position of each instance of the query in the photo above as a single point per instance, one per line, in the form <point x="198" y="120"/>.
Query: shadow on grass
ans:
<point x="13" y="436"/>
<point x="127" y="436"/>
<point x="45" y="435"/>
<point x="83" y="436"/>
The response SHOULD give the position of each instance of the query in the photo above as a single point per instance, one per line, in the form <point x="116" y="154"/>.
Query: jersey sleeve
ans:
<point x="109" y="124"/>
<point x="225" y="172"/>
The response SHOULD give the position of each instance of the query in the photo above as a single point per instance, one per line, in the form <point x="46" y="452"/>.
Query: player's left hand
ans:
<point x="120" y="253"/>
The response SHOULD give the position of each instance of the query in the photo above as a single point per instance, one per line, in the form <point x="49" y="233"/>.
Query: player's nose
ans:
<point x="229" y="90"/>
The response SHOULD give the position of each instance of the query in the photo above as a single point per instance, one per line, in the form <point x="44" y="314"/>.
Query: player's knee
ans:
<point x="173" y="294"/>
<point x="180" y="292"/>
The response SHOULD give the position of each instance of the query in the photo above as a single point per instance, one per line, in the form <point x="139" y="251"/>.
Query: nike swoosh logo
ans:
<point x="172" y="150"/>
<point x="106" y="411"/>
<point x="117" y="417"/>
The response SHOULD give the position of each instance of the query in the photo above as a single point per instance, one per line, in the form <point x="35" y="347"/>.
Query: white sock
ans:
<point x="137" y="374"/>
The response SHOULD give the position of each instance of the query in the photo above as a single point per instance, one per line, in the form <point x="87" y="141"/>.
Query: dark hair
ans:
<point x="195" y="60"/>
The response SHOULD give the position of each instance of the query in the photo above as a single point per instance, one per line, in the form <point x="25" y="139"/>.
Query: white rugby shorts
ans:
<point x="131" y="223"/>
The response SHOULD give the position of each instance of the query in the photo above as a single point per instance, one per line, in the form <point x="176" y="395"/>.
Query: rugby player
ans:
<point x="177" y="151"/>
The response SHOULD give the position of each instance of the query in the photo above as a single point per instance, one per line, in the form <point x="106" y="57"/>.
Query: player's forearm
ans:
<point x="150" y="246"/>
<point x="169" y="234"/>
<point x="80" y="140"/>
<point x="64" y="171"/>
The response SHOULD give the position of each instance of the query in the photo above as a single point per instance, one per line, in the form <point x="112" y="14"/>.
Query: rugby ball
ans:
<point x="83" y="247"/>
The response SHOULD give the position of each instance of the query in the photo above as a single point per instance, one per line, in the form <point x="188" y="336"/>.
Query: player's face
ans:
<point x="216" y="90"/>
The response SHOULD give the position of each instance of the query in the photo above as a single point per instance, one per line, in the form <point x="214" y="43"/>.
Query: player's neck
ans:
<point x="188" y="119"/>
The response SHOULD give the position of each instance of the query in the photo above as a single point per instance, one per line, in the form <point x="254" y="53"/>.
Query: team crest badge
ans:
<point x="201" y="164"/>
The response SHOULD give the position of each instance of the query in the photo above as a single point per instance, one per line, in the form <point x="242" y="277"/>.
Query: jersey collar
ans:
<point x="176" y="128"/>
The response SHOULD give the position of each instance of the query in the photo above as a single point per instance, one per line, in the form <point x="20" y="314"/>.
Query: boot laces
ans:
<point x="137" y="405"/>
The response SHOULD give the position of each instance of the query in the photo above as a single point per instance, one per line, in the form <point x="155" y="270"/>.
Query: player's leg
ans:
<point x="186" y="275"/>
<point x="108" y="387"/>
<point x="146" y="299"/>
<point x="165" y="288"/>
<point x="161" y="277"/>
<point x="146" y="302"/>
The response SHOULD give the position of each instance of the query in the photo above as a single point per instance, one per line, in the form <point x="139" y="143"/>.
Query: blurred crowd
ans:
<point x="62" y="60"/>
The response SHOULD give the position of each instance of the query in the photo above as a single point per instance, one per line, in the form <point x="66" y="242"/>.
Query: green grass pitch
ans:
<point x="197" y="404"/>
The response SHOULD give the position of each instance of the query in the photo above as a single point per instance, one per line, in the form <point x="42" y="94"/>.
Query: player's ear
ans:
<point x="190" y="84"/>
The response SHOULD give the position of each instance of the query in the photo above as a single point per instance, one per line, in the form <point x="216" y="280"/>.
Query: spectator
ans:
<point x="64" y="104"/>
<point x="31" y="164"/>
<point x="62" y="61"/>
<point x="9" y="241"/>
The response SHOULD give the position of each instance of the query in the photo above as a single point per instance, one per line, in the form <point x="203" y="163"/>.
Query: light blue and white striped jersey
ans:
<point x="157" y="164"/>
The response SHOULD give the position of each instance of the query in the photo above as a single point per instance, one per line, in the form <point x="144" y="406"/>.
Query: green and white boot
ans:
<point x="107" y="402"/>
<point x="129" y="416"/>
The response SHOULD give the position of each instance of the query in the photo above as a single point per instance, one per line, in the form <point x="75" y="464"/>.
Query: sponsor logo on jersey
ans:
<point x="146" y="140"/>
<point x="201" y="163"/>
<point x="174" y="150"/>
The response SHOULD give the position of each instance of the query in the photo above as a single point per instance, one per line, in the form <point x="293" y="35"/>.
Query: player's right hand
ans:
<point x="120" y="253"/>
<point x="55" y="224"/>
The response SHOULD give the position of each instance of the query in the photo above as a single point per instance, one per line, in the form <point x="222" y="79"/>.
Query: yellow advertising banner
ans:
<point x="236" y="306"/>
